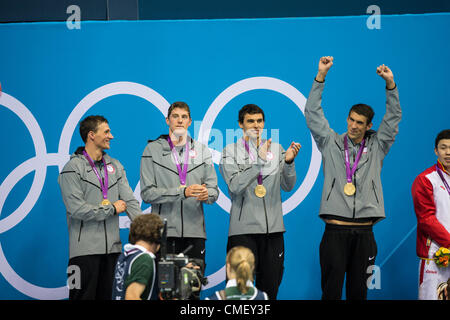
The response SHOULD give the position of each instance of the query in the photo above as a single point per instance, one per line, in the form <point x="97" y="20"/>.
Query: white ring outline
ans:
<point x="34" y="164"/>
<point x="249" y="84"/>
<point x="59" y="159"/>
<point x="38" y="182"/>
<point x="285" y="89"/>
<point x="103" y="92"/>
<point x="150" y="95"/>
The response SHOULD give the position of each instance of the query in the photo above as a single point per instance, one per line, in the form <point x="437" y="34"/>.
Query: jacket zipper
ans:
<point x="81" y="227"/>
<point x="242" y="204"/>
<point x="104" y="221"/>
<point x="331" y="189"/>
<point x="265" y="212"/>
<point x="374" y="191"/>
<point x="106" y="237"/>
<point x="182" y="222"/>
<point x="356" y="190"/>
<point x="203" y="213"/>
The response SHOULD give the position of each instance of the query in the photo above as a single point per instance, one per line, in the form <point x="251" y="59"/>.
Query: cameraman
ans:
<point x="135" y="273"/>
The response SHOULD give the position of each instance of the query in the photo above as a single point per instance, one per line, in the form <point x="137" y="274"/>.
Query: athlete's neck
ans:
<point x="93" y="151"/>
<point x="178" y="140"/>
<point x="256" y="141"/>
<point x="446" y="169"/>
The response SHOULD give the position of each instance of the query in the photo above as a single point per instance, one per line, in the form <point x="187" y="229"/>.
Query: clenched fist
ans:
<point x="386" y="73"/>
<point x="325" y="64"/>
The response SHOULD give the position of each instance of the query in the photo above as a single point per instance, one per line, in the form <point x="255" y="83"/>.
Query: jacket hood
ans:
<point x="162" y="139"/>
<point x="79" y="152"/>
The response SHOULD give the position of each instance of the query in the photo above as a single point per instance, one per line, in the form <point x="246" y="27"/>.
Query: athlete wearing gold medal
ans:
<point x="177" y="179"/>
<point x="95" y="191"/>
<point x="352" y="197"/>
<point x="255" y="171"/>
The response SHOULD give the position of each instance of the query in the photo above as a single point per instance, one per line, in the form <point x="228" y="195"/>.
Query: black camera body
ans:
<point x="176" y="280"/>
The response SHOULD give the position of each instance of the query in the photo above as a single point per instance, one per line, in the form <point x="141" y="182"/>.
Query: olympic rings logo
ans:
<point x="42" y="160"/>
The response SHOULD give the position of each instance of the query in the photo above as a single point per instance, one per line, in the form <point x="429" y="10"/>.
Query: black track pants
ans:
<point x="346" y="250"/>
<point x="96" y="274"/>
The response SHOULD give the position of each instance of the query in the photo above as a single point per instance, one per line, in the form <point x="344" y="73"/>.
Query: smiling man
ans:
<point x="255" y="171"/>
<point x="352" y="196"/>
<point x="95" y="190"/>
<point x="177" y="178"/>
<point x="431" y="197"/>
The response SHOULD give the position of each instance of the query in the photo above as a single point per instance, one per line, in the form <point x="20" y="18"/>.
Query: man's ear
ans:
<point x="369" y="126"/>
<point x="240" y="125"/>
<point x="91" y="135"/>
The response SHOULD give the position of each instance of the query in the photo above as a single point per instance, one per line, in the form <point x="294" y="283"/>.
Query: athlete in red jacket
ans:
<point x="431" y="196"/>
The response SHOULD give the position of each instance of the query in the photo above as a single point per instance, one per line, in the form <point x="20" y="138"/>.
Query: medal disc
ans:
<point x="106" y="202"/>
<point x="260" y="191"/>
<point x="349" y="189"/>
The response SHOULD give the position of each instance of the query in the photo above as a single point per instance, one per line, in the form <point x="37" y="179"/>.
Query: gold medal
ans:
<point x="182" y="186"/>
<point x="106" y="202"/>
<point x="349" y="189"/>
<point x="260" y="191"/>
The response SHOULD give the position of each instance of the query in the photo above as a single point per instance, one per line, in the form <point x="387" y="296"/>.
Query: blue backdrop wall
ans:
<point x="130" y="71"/>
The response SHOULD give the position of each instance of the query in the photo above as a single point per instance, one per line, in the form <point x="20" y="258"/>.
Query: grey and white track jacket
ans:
<point x="249" y="213"/>
<point x="160" y="186"/>
<point x="94" y="228"/>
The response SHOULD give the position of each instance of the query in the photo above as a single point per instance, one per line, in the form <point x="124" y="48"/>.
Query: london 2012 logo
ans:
<point x="42" y="159"/>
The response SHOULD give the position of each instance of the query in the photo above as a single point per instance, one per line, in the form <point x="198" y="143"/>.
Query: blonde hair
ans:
<point x="242" y="262"/>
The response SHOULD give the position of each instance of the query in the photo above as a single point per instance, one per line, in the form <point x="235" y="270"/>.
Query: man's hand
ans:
<point x="196" y="191"/>
<point x="325" y="64"/>
<point x="292" y="152"/>
<point x="262" y="151"/>
<point x="386" y="73"/>
<point x="120" y="206"/>
<point x="190" y="265"/>
<point x="203" y="196"/>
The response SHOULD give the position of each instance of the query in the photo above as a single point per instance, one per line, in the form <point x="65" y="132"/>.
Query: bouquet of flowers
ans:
<point x="441" y="257"/>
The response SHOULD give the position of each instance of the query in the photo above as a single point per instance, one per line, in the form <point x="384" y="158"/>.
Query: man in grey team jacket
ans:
<point x="94" y="195"/>
<point x="255" y="171"/>
<point x="352" y="197"/>
<point x="177" y="177"/>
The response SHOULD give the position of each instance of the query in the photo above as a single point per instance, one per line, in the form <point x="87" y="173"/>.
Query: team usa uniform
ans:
<point x="162" y="188"/>
<point x="256" y="220"/>
<point x="347" y="251"/>
<point x="94" y="239"/>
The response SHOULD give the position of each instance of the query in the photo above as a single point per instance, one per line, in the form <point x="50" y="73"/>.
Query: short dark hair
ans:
<point x="89" y="124"/>
<point x="444" y="134"/>
<point x="363" y="110"/>
<point x="249" y="109"/>
<point x="146" y="227"/>
<point x="178" y="104"/>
